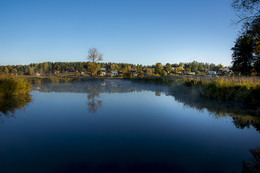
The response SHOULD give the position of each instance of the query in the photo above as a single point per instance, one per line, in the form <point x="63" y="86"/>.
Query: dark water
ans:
<point x="120" y="126"/>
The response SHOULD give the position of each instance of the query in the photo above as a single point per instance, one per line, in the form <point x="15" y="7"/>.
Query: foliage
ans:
<point x="252" y="165"/>
<point x="247" y="11"/>
<point x="243" y="59"/>
<point x="168" y="68"/>
<point x="13" y="86"/>
<point x="94" y="56"/>
<point x="246" y="52"/>
<point x="164" y="73"/>
<point x="9" y="105"/>
<point x="158" y="68"/>
<point x="65" y="68"/>
<point x="127" y="75"/>
<point x="244" y="90"/>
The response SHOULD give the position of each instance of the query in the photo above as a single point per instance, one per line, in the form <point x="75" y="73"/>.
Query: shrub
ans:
<point x="13" y="86"/>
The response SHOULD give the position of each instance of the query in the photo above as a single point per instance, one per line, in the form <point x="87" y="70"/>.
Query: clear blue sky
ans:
<point x="130" y="31"/>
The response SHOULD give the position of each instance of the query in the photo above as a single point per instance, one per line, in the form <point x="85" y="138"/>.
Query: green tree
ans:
<point x="114" y="67"/>
<point x="164" y="73"/>
<point x="14" y="71"/>
<point x="158" y="68"/>
<point x="6" y="70"/>
<point x="92" y="68"/>
<point x="168" y="68"/>
<point x="148" y="71"/>
<point x="243" y="59"/>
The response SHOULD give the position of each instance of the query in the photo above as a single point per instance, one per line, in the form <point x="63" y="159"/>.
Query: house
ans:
<point x="56" y="72"/>
<point x="223" y="71"/>
<point x="120" y="74"/>
<point x="203" y="71"/>
<point x="212" y="73"/>
<point x="114" y="73"/>
<point x="103" y="72"/>
<point x="109" y="74"/>
<point x="135" y="74"/>
<point x="191" y="73"/>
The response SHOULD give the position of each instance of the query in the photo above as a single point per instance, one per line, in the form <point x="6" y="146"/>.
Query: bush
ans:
<point x="127" y="75"/>
<point x="12" y="86"/>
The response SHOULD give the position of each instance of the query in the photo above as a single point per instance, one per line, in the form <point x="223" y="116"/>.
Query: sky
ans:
<point x="124" y="31"/>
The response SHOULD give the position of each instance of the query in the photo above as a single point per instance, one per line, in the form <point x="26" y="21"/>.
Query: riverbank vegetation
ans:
<point x="242" y="90"/>
<point x="9" y="105"/>
<point x="10" y="86"/>
<point x="14" y="95"/>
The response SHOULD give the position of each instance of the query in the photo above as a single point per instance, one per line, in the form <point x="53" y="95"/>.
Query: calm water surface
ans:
<point x="120" y="126"/>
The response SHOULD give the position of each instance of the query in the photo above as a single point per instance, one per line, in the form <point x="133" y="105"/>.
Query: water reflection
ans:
<point x="151" y="136"/>
<point x="253" y="165"/>
<point x="94" y="88"/>
<point x="8" y="105"/>
<point x="243" y="115"/>
<point x="93" y="103"/>
<point x="105" y="86"/>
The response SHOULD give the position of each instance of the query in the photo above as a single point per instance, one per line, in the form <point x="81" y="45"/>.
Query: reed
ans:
<point x="241" y="89"/>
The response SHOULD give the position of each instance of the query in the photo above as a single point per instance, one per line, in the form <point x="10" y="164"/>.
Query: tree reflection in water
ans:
<point x="242" y="115"/>
<point x="93" y="103"/>
<point x="8" y="105"/>
<point x="253" y="165"/>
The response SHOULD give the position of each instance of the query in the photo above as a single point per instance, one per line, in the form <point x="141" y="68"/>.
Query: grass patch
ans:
<point x="244" y="90"/>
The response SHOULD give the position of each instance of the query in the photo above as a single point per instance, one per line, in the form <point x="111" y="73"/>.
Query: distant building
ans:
<point x="224" y="71"/>
<point x="135" y="74"/>
<point x="114" y="73"/>
<point x="56" y="72"/>
<point x="203" y="71"/>
<point x="120" y="74"/>
<point x="103" y="72"/>
<point x="191" y="73"/>
<point x="212" y="72"/>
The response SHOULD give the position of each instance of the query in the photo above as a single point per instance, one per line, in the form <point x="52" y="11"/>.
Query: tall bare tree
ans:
<point x="94" y="56"/>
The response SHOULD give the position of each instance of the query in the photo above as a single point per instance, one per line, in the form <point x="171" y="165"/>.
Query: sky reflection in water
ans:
<point x="121" y="126"/>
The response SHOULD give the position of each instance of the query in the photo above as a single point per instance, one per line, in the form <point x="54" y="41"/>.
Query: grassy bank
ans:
<point x="57" y="79"/>
<point x="10" y="86"/>
<point x="243" y="90"/>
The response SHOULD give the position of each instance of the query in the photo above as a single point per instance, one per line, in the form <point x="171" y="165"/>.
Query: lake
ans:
<point x="122" y="126"/>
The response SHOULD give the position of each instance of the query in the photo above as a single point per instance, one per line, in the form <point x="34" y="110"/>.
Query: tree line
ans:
<point x="95" y="67"/>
